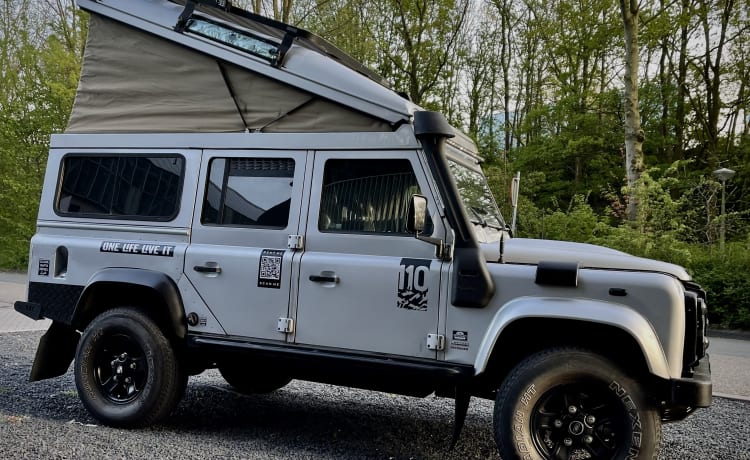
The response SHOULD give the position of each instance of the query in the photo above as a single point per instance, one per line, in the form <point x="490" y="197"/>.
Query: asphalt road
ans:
<point x="306" y="420"/>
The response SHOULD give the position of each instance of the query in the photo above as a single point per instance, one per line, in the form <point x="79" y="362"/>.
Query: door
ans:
<point x="238" y="259"/>
<point x="364" y="282"/>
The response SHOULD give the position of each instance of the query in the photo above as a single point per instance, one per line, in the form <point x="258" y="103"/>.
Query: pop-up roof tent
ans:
<point x="175" y="66"/>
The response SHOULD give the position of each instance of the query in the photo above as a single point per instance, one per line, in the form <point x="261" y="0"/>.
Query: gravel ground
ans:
<point x="303" y="420"/>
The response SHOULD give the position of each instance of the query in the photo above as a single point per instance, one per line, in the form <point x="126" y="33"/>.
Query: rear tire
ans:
<point x="248" y="379"/>
<point x="566" y="403"/>
<point x="126" y="371"/>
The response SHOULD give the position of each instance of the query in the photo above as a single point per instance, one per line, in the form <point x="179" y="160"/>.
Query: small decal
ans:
<point x="460" y="340"/>
<point x="269" y="268"/>
<point x="43" y="267"/>
<point x="412" y="284"/>
<point x="142" y="249"/>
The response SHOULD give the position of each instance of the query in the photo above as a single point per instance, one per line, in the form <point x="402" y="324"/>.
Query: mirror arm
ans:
<point x="442" y="251"/>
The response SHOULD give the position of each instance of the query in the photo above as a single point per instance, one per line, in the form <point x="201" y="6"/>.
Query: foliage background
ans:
<point x="537" y="83"/>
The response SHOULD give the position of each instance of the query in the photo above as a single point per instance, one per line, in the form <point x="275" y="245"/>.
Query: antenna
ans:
<point x="515" y="185"/>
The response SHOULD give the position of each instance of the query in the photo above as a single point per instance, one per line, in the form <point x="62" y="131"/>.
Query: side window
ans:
<point x="135" y="187"/>
<point x="253" y="192"/>
<point x="367" y="196"/>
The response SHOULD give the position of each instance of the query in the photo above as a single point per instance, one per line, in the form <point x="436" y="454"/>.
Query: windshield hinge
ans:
<point x="435" y="342"/>
<point x="446" y="253"/>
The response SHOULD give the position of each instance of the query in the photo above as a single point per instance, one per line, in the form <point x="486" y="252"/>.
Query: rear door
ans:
<point x="238" y="259"/>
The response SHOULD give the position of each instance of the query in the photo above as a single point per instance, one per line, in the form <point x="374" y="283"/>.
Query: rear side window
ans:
<point x="249" y="192"/>
<point x="133" y="187"/>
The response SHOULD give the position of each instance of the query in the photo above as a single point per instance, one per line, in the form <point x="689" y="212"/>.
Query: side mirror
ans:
<point x="415" y="219"/>
<point x="415" y="223"/>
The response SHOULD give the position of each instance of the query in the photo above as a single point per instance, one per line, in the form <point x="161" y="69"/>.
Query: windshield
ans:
<point x="479" y="203"/>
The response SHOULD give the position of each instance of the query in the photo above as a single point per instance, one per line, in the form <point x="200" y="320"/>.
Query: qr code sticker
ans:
<point x="270" y="268"/>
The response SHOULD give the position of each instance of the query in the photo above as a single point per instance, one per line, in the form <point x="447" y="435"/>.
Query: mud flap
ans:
<point x="462" y="407"/>
<point x="56" y="350"/>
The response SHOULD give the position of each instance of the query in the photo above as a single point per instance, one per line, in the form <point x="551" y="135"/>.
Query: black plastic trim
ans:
<point x="696" y="321"/>
<point x="184" y="17"/>
<point x="556" y="273"/>
<point x="56" y="301"/>
<point x="689" y="356"/>
<point x="687" y="394"/>
<point x="420" y="365"/>
<point x="160" y="283"/>
<point x="32" y="310"/>
<point x="432" y="124"/>
<point x="378" y="372"/>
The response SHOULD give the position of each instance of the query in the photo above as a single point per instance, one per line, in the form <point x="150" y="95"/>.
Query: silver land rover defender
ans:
<point x="236" y="193"/>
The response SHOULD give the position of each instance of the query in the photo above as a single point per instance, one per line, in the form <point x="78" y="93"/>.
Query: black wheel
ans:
<point x="567" y="403"/>
<point x="126" y="371"/>
<point x="247" y="379"/>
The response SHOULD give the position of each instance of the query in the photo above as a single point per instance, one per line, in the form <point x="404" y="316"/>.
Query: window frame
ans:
<point x="233" y="29"/>
<point x="224" y="184"/>
<point x="126" y="217"/>
<point x="366" y="232"/>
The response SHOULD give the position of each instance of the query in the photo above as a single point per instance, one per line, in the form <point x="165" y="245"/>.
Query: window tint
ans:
<point x="123" y="187"/>
<point x="249" y="192"/>
<point x="367" y="196"/>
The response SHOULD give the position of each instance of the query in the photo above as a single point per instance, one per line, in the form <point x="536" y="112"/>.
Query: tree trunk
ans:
<point x="666" y="149"/>
<point x="682" y="70"/>
<point x="634" y="135"/>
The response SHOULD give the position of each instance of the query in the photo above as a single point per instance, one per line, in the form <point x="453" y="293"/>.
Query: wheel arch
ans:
<point x="133" y="287"/>
<point x="530" y="324"/>
<point x="119" y="287"/>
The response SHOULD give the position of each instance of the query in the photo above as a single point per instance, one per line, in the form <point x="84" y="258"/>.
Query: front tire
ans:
<point x="126" y="371"/>
<point x="566" y="403"/>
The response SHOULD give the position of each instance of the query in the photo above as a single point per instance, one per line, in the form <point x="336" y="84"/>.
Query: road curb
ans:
<point x="12" y="276"/>
<point x="733" y="397"/>
<point x="735" y="334"/>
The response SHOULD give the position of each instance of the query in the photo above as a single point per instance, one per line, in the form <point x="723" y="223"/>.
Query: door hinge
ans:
<point x="296" y="242"/>
<point x="285" y="325"/>
<point x="435" y="342"/>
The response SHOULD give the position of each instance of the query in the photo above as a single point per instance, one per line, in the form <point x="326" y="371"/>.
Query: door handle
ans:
<point x="324" y="279"/>
<point x="207" y="269"/>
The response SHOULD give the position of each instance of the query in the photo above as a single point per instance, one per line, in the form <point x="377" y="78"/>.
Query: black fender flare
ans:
<point x="160" y="284"/>
<point x="57" y="347"/>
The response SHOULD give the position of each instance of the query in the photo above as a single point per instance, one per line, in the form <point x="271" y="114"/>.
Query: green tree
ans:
<point x="40" y="52"/>
<point x="416" y="42"/>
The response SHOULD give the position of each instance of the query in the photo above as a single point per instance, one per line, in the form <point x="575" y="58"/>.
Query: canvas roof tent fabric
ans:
<point x="132" y="81"/>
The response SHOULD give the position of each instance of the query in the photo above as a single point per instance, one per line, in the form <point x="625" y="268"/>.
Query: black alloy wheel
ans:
<point x="121" y="370"/>
<point x="579" y="420"/>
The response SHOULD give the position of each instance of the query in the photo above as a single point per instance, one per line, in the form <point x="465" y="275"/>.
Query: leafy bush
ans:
<point x="726" y="281"/>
